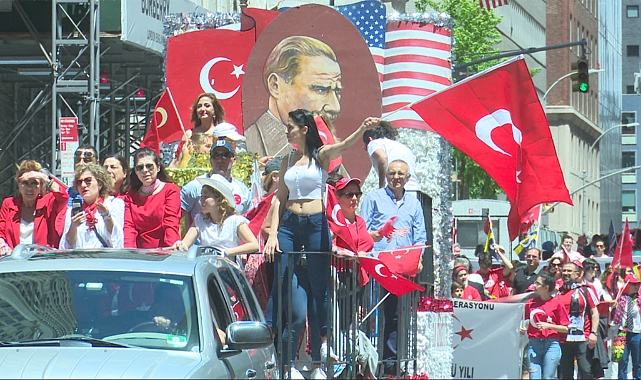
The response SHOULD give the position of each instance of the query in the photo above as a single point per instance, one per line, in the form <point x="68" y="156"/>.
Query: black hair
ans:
<point x="135" y="183"/>
<point x="383" y="130"/>
<point x="485" y="258"/>
<point x="125" y="169"/>
<point x="548" y="280"/>
<point x="590" y="264"/>
<point x="313" y="141"/>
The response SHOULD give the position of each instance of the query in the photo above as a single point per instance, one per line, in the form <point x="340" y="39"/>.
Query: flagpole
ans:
<point x="374" y="308"/>
<point x="448" y="87"/>
<point x="177" y="114"/>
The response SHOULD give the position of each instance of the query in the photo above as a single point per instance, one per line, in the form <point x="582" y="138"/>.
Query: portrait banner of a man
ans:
<point x="328" y="67"/>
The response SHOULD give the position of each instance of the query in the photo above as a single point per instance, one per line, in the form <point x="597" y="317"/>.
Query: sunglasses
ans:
<point x="85" y="157"/>
<point x="87" y="181"/>
<point x="225" y="155"/>
<point x="600" y="246"/>
<point x="29" y="183"/>
<point x="149" y="167"/>
<point x="351" y="195"/>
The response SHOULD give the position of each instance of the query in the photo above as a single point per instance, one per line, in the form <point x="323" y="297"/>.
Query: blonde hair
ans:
<point x="224" y="208"/>
<point x="27" y="166"/>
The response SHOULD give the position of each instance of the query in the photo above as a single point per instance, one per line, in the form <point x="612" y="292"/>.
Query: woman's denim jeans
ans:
<point x="309" y="282"/>
<point x="544" y="355"/>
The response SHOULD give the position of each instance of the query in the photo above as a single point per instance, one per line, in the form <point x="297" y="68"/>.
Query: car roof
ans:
<point x="135" y="260"/>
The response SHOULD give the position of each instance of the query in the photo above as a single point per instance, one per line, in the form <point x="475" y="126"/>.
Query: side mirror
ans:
<point x="248" y="334"/>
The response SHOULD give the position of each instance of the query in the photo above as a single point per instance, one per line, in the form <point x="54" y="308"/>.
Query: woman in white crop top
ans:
<point x="302" y="225"/>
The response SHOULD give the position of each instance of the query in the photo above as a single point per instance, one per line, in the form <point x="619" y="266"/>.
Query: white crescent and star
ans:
<point x="335" y="210"/>
<point x="532" y="314"/>
<point x="377" y="268"/>
<point x="163" y="114"/>
<point x="208" y="86"/>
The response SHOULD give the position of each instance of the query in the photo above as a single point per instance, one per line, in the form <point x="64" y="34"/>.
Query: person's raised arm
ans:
<point x="507" y="264"/>
<point x="331" y="152"/>
<point x="380" y="157"/>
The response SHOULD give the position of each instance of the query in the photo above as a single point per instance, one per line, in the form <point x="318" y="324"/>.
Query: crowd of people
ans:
<point x="113" y="205"/>
<point x="575" y="313"/>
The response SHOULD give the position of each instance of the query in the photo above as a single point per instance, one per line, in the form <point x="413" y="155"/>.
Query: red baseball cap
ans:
<point x="341" y="183"/>
<point x="632" y="279"/>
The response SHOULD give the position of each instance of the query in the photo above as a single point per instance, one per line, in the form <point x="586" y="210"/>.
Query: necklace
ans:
<point x="151" y="188"/>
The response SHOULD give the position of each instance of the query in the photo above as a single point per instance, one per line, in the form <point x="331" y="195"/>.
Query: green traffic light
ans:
<point x="584" y="87"/>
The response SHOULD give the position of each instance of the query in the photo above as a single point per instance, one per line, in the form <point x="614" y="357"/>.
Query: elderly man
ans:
<point x="580" y="301"/>
<point x="524" y="279"/>
<point x="221" y="158"/>
<point x="300" y="72"/>
<point x="409" y="229"/>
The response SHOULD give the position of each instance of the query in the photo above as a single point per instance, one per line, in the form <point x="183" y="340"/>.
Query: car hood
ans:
<point x="98" y="363"/>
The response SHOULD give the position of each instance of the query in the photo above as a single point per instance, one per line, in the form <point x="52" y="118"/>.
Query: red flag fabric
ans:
<point x="212" y="61"/>
<point x="151" y="139"/>
<point x="256" y="215"/>
<point x="505" y="131"/>
<point x="336" y="220"/>
<point x="623" y="252"/>
<point x="392" y="282"/>
<point x="530" y="217"/>
<point x="403" y="260"/>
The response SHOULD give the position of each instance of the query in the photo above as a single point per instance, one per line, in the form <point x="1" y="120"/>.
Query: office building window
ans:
<point x="628" y="159"/>
<point x="628" y="118"/>
<point x="629" y="90"/>
<point x="633" y="50"/>
<point x="628" y="201"/>
<point x="632" y="11"/>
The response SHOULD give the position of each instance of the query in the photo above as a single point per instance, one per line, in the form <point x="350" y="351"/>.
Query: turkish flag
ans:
<point x="623" y="252"/>
<point x="496" y="118"/>
<point x="256" y="215"/>
<point x="530" y="217"/>
<point x="392" y="282"/>
<point x="256" y="20"/>
<point x="212" y="61"/>
<point x="336" y="220"/>
<point x="403" y="260"/>
<point x="151" y="139"/>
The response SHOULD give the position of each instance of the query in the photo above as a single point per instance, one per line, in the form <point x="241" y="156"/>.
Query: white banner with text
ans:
<point x="486" y="340"/>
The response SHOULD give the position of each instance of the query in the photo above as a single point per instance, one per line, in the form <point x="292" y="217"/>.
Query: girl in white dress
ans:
<point x="218" y="225"/>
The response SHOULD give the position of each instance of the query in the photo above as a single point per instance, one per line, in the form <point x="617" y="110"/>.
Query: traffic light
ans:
<point x="581" y="79"/>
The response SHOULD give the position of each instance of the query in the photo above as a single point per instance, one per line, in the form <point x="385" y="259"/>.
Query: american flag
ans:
<point x="489" y="4"/>
<point x="612" y="239"/>
<point x="412" y="59"/>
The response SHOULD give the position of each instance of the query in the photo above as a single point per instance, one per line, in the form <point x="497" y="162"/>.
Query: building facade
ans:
<point x="631" y="80"/>
<point x="574" y="116"/>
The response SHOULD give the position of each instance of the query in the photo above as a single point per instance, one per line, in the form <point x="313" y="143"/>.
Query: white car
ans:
<point x="129" y="314"/>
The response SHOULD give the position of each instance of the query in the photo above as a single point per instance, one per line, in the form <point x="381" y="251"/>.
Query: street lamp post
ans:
<point x="584" y="202"/>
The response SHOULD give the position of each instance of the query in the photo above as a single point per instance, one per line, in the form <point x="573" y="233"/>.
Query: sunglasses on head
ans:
<point x="148" y="166"/>
<point x="87" y="181"/>
<point x="225" y="155"/>
<point x="351" y="195"/>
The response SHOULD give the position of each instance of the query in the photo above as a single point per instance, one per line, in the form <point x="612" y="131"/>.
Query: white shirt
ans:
<point x="190" y="196"/>
<point x="86" y="238"/>
<point x="26" y="232"/>
<point x="395" y="151"/>
<point x="222" y="237"/>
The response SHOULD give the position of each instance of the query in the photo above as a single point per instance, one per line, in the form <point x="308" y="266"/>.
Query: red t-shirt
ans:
<point x="152" y="221"/>
<point x="496" y="284"/>
<point x="550" y="311"/>
<point x="469" y="293"/>
<point x="565" y="296"/>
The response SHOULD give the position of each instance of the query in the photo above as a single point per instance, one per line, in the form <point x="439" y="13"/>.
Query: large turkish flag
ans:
<point x="496" y="118"/>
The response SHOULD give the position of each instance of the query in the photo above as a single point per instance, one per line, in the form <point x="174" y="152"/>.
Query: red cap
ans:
<point x="341" y="183"/>
<point x="632" y="279"/>
<point x="578" y="263"/>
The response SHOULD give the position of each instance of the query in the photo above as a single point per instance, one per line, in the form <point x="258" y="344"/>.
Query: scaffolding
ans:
<point x="57" y="61"/>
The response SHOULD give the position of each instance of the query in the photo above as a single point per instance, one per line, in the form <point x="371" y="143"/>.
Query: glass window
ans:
<point x="151" y="310"/>
<point x="632" y="11"/>
<point x="633" y="50"/>
<point x="629" y="90"/>
<point x="628" y="118"/>
<point x="470" y="232"/>
<point x="628" y="201"/>
<point x="628" y="159"/>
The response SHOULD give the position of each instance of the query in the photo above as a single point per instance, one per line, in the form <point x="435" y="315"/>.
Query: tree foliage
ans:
<point x="474" y="37"/>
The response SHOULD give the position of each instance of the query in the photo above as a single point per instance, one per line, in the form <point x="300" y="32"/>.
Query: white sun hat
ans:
<point x="228" y="130"/>
<point x="220" y="183"/>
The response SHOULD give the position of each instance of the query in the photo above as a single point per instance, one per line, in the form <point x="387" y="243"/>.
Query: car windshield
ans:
<point x="151" y="310"/>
